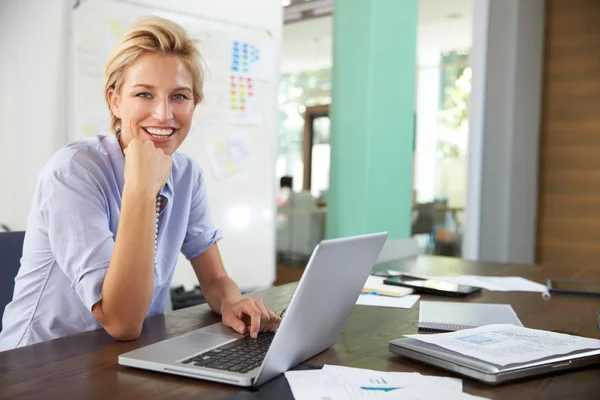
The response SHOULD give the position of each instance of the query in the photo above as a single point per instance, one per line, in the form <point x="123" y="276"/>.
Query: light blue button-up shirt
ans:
<point x="71" y="232"/>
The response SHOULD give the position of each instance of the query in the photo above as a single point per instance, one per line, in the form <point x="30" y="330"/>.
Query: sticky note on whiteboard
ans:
<point x="89" y="130"/>
<point x="115" y="27"/>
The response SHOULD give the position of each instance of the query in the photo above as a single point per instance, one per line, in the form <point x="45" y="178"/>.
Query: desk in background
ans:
<point x="85" y="365"/>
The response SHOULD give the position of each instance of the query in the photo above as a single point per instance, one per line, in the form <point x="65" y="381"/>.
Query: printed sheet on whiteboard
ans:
<point x="247" y="67"/>
<point x="257" y="60"/>
<point x="244" y="101"/>
<point x="231" y="154"/>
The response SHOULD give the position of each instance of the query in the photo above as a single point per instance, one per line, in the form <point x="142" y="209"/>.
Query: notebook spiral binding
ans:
<point x="441" y="326"/>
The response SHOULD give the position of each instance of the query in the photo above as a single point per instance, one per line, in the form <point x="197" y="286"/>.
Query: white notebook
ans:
<point x="454" y="316"/>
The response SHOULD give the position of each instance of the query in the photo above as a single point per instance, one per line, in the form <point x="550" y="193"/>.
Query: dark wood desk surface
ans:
<point x="85" y="365"/>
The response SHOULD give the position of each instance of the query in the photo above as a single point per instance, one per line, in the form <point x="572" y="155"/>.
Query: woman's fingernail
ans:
<point x="254" y="334"/>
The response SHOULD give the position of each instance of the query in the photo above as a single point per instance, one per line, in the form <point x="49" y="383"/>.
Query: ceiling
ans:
<point x="443" y="25"/>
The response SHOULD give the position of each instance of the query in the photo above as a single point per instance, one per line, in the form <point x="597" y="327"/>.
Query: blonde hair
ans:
<point x="154" y="35"/>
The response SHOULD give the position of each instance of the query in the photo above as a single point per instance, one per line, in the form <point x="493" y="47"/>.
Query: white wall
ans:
<point x="505" y="109"/>
<point x="33" y="44"/>
<point x="33" y="100"/>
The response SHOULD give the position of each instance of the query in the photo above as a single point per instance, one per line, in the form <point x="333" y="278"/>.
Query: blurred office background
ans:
<point x="443" y="85"/>
<point x="504" y="150"/>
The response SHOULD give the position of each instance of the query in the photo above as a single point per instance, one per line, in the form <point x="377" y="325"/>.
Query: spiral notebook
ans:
<point x="454" y="316"/>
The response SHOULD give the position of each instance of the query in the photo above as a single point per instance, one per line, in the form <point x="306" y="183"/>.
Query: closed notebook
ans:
<point x="454" y="316"/>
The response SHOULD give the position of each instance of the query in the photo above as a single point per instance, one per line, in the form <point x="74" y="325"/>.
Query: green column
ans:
<point x="372" y="117"/>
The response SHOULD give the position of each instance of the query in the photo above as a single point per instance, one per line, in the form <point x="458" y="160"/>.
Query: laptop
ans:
<point x="486" y="372"/>
<point x="323" y="300"/>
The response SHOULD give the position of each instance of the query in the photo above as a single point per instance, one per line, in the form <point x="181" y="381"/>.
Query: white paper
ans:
<point x="231" y="154"/>
<point x="369" y="378"/>
<point x="249" y="63"/>
<point x="431" y="393"/>
<point x="266" y="66"/>
<point x="504" y="344"/>
<point x="244" y="103"/>
<point x="257" y="60"/>
<point x="307" y="385"/>
<point x="336" y="383"/>
<point x="493" y="283"/>
<point x="386" y="301"/>
<point x="375" y="285"/>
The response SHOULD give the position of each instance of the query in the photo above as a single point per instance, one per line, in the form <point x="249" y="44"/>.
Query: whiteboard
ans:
<point x="235" y="147"/>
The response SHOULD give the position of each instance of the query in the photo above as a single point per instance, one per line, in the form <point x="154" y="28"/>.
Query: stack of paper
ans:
<point x="504" y="344"/>
<point x="337" y="383"/>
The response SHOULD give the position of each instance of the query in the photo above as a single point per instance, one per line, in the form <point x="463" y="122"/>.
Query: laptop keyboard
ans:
<point x="240" y="356"/>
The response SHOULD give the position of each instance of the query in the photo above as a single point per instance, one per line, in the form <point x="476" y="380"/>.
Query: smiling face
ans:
<point x="156" y="102"/>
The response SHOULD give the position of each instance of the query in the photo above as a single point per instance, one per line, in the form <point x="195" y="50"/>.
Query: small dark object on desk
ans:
<point x="180" y="298"/>
<point x="572" y="286"/>
<point x="429" y="286"/>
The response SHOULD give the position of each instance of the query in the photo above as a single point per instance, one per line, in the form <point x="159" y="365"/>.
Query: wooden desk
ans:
<point x="85" y="366"/>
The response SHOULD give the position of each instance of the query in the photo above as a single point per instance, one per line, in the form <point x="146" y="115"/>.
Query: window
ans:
<point x="453" y="128"/>
<point x="297" y="92"/>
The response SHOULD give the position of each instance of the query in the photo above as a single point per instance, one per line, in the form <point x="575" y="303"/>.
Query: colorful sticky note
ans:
<point x="89" y="130"/>
<point x="221" y="146"/>
<point x="229" y="166"/>
<point x="115" y="27"/>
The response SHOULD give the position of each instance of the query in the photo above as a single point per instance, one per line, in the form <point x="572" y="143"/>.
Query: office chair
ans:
<point x="11" y="249"/>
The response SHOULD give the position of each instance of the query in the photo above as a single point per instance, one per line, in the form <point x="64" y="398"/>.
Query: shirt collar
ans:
<point x="117" y="160"/>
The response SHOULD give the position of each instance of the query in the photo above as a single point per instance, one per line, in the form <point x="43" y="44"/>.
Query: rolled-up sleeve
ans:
<point x="200" y="233"/>
<point x="78" y="229"/>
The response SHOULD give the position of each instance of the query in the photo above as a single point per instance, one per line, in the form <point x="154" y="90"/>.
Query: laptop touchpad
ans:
<point x="221" y="330"/>
<point x="180" y="347"/>
<point x="199" y="341"/>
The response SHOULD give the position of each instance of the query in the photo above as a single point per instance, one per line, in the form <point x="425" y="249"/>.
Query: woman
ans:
<point x="111" y="213"/>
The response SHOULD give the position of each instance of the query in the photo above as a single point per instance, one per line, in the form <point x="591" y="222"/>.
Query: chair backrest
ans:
<point x="11" y="250"/>
<point x="394" y="249"/>
<point x="425" y="220"/>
